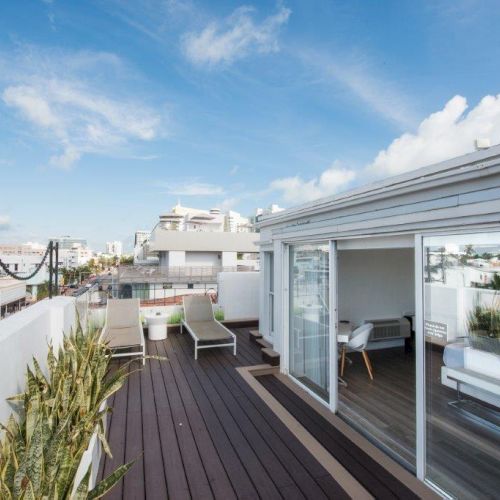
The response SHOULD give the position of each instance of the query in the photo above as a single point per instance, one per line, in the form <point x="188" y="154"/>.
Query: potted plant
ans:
<point x="483" y="324"/>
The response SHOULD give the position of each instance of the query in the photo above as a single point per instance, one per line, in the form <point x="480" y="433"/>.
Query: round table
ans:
<point x="157" y="326"/>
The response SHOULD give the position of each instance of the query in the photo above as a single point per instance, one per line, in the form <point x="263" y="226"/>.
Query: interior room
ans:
<point x="461" y="323"/>
<point x="376" y="308"/>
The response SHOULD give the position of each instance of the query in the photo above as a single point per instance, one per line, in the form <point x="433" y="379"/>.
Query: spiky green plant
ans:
<point x="175" y="318"/>
<point x="41" y="450"/>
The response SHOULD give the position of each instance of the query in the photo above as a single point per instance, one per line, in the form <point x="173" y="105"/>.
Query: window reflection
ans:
<point x="309" y="316"/>
<point x="462" y="335"/>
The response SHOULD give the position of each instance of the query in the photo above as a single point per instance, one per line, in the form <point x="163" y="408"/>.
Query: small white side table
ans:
<point x="157" y="326"/>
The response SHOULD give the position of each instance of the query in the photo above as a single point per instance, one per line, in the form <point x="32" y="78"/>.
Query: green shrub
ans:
<point x="175" y="318"/>
<point x="484" y="321"/>
<point x="58" y="414"/>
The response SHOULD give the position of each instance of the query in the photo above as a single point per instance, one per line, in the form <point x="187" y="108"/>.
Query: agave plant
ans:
<point x="41" y="450"/>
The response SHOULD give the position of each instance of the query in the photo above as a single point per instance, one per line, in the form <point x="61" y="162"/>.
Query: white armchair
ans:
<point x="358" y="343"/>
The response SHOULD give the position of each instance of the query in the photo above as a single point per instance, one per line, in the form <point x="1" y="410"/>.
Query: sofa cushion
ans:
<point x="453" y="356"/>
<point x="485" y="363"/>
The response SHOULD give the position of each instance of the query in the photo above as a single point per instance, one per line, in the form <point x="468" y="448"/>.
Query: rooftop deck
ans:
<point x="199" y="430"/>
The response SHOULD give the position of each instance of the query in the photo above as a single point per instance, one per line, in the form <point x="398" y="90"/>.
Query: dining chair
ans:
<point x="358" y="343"/>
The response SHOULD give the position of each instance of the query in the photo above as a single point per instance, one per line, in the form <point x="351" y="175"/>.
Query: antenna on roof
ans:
<point x="482" y="143"/>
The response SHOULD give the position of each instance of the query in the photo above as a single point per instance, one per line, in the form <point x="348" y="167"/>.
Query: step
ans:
<point x="254" y="335"/>
<point x="264" y="343"/>
<point x="270" y="357"/>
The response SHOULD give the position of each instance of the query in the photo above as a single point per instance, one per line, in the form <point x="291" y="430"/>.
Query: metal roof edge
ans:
<point x="423" y="174"/>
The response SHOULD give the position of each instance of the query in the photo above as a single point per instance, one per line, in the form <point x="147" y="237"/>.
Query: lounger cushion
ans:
<point x="122" y="313"/>
<point x="209" y="330"/>
<point x="198" y="308"/>
<point x="122" y="337"/>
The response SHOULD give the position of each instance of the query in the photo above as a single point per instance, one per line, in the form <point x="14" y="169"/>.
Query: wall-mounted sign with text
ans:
<point x="436" y="330"/>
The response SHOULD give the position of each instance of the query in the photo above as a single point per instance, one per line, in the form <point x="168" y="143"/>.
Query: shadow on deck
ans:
<point x="197" y="429"/>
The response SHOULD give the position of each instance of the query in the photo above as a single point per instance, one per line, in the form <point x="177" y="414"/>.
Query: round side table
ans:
<point x="157" y="326"/>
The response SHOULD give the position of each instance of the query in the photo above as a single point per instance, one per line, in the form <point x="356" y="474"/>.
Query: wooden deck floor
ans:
<point x="197" y="430"/>
<point x="463" y="455"/>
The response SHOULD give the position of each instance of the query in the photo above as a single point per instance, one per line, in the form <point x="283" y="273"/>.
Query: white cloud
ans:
<point x="296" y="190"/>
<point x="74" y="112"/>
<point x="235" y="37"/>
<point x="228" y="204"/>
<point x="445" y="134"/>
<point x="362" y="79"/>
<point x="195" y="189"/>
<point x="4" y="222"/>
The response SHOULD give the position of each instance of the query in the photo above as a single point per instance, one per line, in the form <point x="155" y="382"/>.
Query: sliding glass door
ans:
<point x="309" y="316"/>
<point x="461" y="328"/>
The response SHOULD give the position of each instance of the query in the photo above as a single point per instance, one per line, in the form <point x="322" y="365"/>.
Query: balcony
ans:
<point x="230" y="427"/>
<point x="221" y="427"/>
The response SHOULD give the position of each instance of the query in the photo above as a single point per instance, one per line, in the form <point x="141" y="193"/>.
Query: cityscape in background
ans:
<point x="185" y="241"/>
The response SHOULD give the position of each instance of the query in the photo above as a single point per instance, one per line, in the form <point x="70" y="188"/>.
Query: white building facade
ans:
<point x="114" y="248"/>
<point x="382" y="273"/>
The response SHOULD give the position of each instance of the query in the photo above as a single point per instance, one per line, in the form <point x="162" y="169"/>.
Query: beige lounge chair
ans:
<point x="201" y="324"/>
<point x="123" y="329"/>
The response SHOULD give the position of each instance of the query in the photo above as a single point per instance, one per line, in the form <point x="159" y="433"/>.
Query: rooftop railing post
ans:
<point x="56" y="277"/>
<point x="51" y="263"/>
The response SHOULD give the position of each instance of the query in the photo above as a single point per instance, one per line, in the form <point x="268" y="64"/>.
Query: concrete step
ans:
<point x="270" y="357"/>
<point x="263" y="342"/>
<point x="254" y="335"/>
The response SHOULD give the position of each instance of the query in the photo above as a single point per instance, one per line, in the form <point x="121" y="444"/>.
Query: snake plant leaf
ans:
<point x="106" y="484"/>
<point x="5" y="493"/>
<point x="34" y="456"/>
<point x="104" y="442"/>
<point x="81" y="492"/>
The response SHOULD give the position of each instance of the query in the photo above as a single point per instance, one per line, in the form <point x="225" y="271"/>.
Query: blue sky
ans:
<point x="111" y="111"/>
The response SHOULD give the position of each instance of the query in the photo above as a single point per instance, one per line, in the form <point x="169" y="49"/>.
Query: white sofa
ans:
<point x="476" y="372"/>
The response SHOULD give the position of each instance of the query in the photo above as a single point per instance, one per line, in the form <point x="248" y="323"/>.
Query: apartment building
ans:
<point x="114" y="248"/>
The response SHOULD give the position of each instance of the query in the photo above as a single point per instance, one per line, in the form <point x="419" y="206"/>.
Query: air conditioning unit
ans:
<point x="391" y="328"/>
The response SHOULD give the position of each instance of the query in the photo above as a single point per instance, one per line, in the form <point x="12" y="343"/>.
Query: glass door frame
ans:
<point x="332" y="402"/>
<point x="420" y="368"/>
<point x="269" y="279"/>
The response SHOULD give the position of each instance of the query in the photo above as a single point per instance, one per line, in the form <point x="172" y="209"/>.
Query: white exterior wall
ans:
<point x="177" y="258"/>
<point x="26" y="263"/>
<point x="229" y="259"/>
<point x="16" y="290"/>
<point x="27" y="334"/>
<point x="203" y="259"/>
<point x="239" y="294"/>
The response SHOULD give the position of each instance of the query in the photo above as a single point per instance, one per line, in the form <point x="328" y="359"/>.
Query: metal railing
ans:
<point x="174" y="274"/>
<point x="150" y="294"/>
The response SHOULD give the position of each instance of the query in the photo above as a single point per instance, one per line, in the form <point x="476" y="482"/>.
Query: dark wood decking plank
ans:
<point x="263" y="449"/>
<point x="177" y="485"/>
<point x="278" y="450"/>
<point x="341" y="448"/>
<point x="216" y="474"/>
<point x="257" y="472"/>
<point x="238" y="475"/>
<point x="133" y="484"/>
<point x="301" y="458"/>
<point x="154" y="469"/>
<point x="193" y="467"/>
<point x="368" y="472"/>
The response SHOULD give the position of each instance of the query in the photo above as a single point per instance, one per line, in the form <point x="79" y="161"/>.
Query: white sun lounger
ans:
<point x="201" y="324"/>
<point x="123" y="329"/>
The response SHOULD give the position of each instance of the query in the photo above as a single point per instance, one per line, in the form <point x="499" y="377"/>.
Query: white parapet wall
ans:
<point x="27" y="334"/>
<point x="238" y="294"/>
